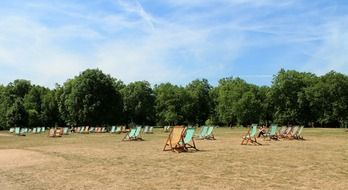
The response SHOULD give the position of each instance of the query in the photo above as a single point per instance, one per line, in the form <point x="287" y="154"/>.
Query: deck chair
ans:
<point x="286" y="132"/>
<point x="52" y="132"/>
<point x="131" y="135"/>
<point x="150" y="131"/>
<point x="85" y="130"/>
<point x="38" y="129"/>
<point x="298" y="134"/>
<point x="146" y="129"/>
<point x="43" y="129"/>
<point x="292" y="133"/>
<point x="272" y="133"/>
<point x="166" y="129"/>
<point x="203" y="132"/>
<point x="281" y="131"/>
<point x="77" y="129"/>
<point x="12" y="130"/>
<point x="91" y="130"/>
<point x="209" y="134"/>
<point x="66" y="131"/>
<point x="103" y="130"/>
<point x="19" y="131"/>
<point x="175" y="140"/>
<point x="250" y="136"/>
<point x="113" y="129"/>
<point x="34" y="130"/>
<point x="188" y="138"/>
<point x="118" y="129"/>
<point x="82" y="129"/>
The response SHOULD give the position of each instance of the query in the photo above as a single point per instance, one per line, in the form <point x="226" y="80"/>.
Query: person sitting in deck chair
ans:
<point x="262" y="131"/>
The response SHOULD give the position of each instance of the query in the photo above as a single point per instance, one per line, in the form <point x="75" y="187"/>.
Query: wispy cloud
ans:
<point x="175" y="41"/>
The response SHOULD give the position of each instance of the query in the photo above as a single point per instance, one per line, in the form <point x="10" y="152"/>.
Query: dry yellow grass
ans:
<point x="102" y="161"/>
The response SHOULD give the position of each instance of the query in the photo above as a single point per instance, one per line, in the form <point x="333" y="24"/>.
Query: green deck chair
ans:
<point x="138" y="134"/>
<point x="12" y="130"/>
<point x="38" y="129"/>
<point x="272" y="134"/>
<point x="250" y="136"/>
<point x="210" y="134"/>
<point x="203" y="132"/>
<point x="34" y="130"/>
<point x="19" y="131"/>
<point x="130" y="135"/>
<point x="43" y="129"/>
<point x="91" y="130"/>
<point x="118" y="129"/>
<point x="113" y="128"/>
<point x="82" y="129"/>
<point x="188" y="137"/>
<point x="66" y="131"/>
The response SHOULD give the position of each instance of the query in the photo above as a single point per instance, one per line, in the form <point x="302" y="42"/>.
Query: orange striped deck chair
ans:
<point x="175" y="140"/>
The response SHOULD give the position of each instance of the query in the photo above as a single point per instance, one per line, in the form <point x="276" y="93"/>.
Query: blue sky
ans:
<point x="177" y="41"/>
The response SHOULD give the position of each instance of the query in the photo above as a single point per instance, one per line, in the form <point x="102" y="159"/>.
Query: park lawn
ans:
<point x="102" y="161"/>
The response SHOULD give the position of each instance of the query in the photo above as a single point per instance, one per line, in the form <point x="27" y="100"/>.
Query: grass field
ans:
<point x="102" y="161"/>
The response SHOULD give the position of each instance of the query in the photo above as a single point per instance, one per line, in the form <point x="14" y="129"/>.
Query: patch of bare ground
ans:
<point x="103" y="161"/>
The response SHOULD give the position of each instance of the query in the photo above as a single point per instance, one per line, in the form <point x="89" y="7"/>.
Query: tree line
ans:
<point x="97" y="99"/>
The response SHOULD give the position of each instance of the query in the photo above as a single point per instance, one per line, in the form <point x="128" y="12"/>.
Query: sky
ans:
<point x="177" y="41"/>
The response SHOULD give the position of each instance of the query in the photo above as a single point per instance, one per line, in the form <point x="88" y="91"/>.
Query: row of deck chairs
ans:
<point x="23" y="131"/>
<point x="272" y="134"/>
<point x="291" y="132"/>
<point x="180" y="139"/>
<point x="122" y="129"/>
<point x="206" y="133"/>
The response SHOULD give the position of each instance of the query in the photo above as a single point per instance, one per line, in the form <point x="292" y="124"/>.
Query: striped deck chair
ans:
<point x="250" y="136"/>
<point x="133" y="134"/>
<point x="292" y="133"/>
<point x="203" y="132"/>
<point x="118" y="129"/>
<point x="210" y="134"/>
<point x="86" y="130"/>
<point x="103" y="129"/>
<point x="113" y="129"/>
<point x="175" y="140"/>
<point x="19" y="131"/>
<point x="281" y="131"/>
<point x="150" y="131"/>
<point x="286" y="132"/>
<point x="272" y="133"/>
<point x="91" y="130"/>
<point x="188" y="140"/>
<point x="166" y="129"/>
<point x="82" y="129"/>
<point x="298" y="134"/>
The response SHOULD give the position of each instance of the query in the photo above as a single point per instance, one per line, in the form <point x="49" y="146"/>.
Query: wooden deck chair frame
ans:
<point x="175" y="140"/>
<point x="292" y="133"/>
<point x="250" y="136"/>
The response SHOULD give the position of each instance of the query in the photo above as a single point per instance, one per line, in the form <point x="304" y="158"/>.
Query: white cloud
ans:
<point x="331" y="54"/>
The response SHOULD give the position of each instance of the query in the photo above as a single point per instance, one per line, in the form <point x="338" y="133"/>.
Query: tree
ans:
<point x="248" y="109"/>
<point x="287" y="89"/>
<point x="170" y="104"/>
<point x="328" y="99"/>
<point x="200" y="103"/>
<point x="90" y="99"/>
<point x="139" y="103"/>
<point x="229" y="92"/>
<point x="17" y="116"/>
